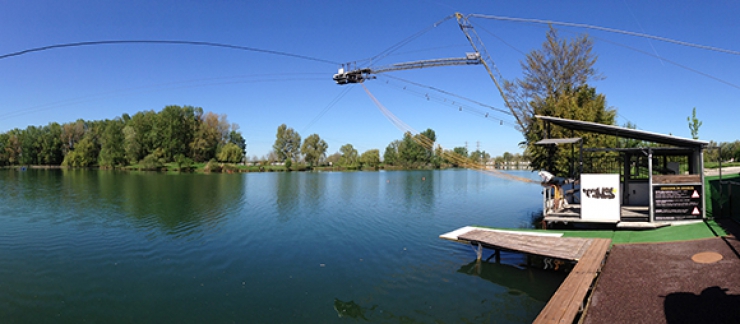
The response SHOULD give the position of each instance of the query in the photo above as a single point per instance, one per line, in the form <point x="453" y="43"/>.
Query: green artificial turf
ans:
<point x="685" y="232"/>
<point x="664" y="234"/>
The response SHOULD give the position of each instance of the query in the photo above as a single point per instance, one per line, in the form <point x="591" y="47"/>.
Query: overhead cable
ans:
<point x="606" y="29"/>
<point x="407" y="40"/>
<point x="171" y="42"/>
<point x="327" y="108"/>
<point x="450" y="94"/>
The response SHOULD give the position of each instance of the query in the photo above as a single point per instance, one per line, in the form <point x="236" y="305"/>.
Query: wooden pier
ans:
<point x="570" y="299"/>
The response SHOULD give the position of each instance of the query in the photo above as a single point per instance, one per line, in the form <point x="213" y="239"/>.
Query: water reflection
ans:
<point x="288" y="195"/>
<point x="535" y="283"/>
<point x="176" y="204"/>
<point x="419" y="189"/>
<point x="315" y="186"/>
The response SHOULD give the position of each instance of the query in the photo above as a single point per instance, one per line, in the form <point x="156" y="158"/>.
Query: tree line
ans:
<point x="187" y="135"/>
<point x="412" y="151"/>
<point x="183" y="135"/>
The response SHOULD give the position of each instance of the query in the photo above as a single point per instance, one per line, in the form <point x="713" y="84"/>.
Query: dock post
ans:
<point x="479" y="252"/>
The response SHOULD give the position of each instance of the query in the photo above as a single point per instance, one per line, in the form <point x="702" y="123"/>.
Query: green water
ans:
<point x="102" y="246"/>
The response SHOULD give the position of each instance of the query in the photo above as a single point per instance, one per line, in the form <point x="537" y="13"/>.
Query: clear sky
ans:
<point x="651" y="83"/>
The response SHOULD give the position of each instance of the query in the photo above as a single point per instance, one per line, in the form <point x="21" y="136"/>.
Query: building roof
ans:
<point x="618" y="131"/>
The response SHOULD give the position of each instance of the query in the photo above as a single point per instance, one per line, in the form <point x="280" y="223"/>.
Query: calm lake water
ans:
<point x="343" y="247"/>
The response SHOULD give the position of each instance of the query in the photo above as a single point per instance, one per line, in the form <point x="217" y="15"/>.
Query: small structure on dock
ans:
<point x="644" y="187"/>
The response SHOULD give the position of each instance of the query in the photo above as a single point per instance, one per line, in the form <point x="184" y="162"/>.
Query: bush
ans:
<point x="151" y="162"/>
<point x="183" y="163"/>
<point x="212" y="166"/>
<point x="229" y="168"/>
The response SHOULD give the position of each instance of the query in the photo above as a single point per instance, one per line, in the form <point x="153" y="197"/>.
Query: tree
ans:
<point x="183" y="162"/>
<point x="334" y="158"/>
<point x="230" y="153"/>
<point x="30" y="145"/>
<point x="555" y="84"/>
<point x="207" y="138"/>
<point x="51" y="145"/>
<point x="236" y="138"/>
<point x="112" y="150"/>
<point x="84" y="154"/>
<point x="349" y="156"/>
<point x="559" y="67"/>
<point x="390" y="156"/>
<point x="461" y="151"/>
<point x="479" y="157"/>
<point x="314" y="149"/>
<point x="13" y="149"/>
<point x="72" y="133"/>
<point x="370" y="158"/>
<point x="4" y="137"/>
<point x="628" y="142"/>
<point x="586" y="105"/>
<point x="694" y="124"/>
<point x="287" y="143"/>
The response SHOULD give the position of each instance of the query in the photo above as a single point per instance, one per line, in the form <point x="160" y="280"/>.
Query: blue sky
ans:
<point x="260" y="91"/>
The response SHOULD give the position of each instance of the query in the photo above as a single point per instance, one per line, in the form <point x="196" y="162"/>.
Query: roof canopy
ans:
<point x="625" y="132"/>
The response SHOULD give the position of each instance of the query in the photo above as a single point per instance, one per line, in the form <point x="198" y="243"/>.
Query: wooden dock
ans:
<point x="571" y="249"/>
<point x="570" y="299"/>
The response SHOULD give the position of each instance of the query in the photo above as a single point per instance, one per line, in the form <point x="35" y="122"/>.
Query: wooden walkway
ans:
<point x="552" y="247"/>
<point x="569" y="300"/>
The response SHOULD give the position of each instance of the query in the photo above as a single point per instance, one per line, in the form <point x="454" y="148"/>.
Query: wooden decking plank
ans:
<point x="565" y="304"/>
<point x="554" y="247"/>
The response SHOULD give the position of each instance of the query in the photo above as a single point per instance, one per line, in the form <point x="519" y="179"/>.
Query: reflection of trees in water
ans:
<point x="348" y="185"/>
<point x="179" y="203"/>
<point x="419" y="189"/>
<point x="288" y="195"/>
<point x="315" y="186"/>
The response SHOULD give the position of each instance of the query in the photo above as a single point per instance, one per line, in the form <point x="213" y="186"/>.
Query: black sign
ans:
<point x="677" y="202"/>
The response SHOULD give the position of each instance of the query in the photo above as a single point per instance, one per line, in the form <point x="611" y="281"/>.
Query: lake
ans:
<point x="335" y="247"/>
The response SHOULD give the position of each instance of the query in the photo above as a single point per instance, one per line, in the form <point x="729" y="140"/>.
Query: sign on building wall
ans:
<point x="600" y="197"/>
<point x="677" y="202"/>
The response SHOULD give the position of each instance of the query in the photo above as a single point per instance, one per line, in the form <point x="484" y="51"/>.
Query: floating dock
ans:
<point x="589" y="254"/>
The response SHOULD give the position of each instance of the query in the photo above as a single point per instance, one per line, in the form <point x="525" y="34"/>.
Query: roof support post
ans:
<point x="650" y="185"/>
<point x="627" y="165"/>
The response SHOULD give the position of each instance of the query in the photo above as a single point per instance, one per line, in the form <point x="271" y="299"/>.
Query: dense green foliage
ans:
<point x="724" y="151"/>
<point x="314" y="149"/>
<point x="349" y="156"/>
<point x="150" y="139"/>
<point x="371" y="158"/>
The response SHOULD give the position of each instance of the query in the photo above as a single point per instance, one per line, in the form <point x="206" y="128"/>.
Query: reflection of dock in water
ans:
<point x="537" y="284"/>
<point x="568" y="301"/>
